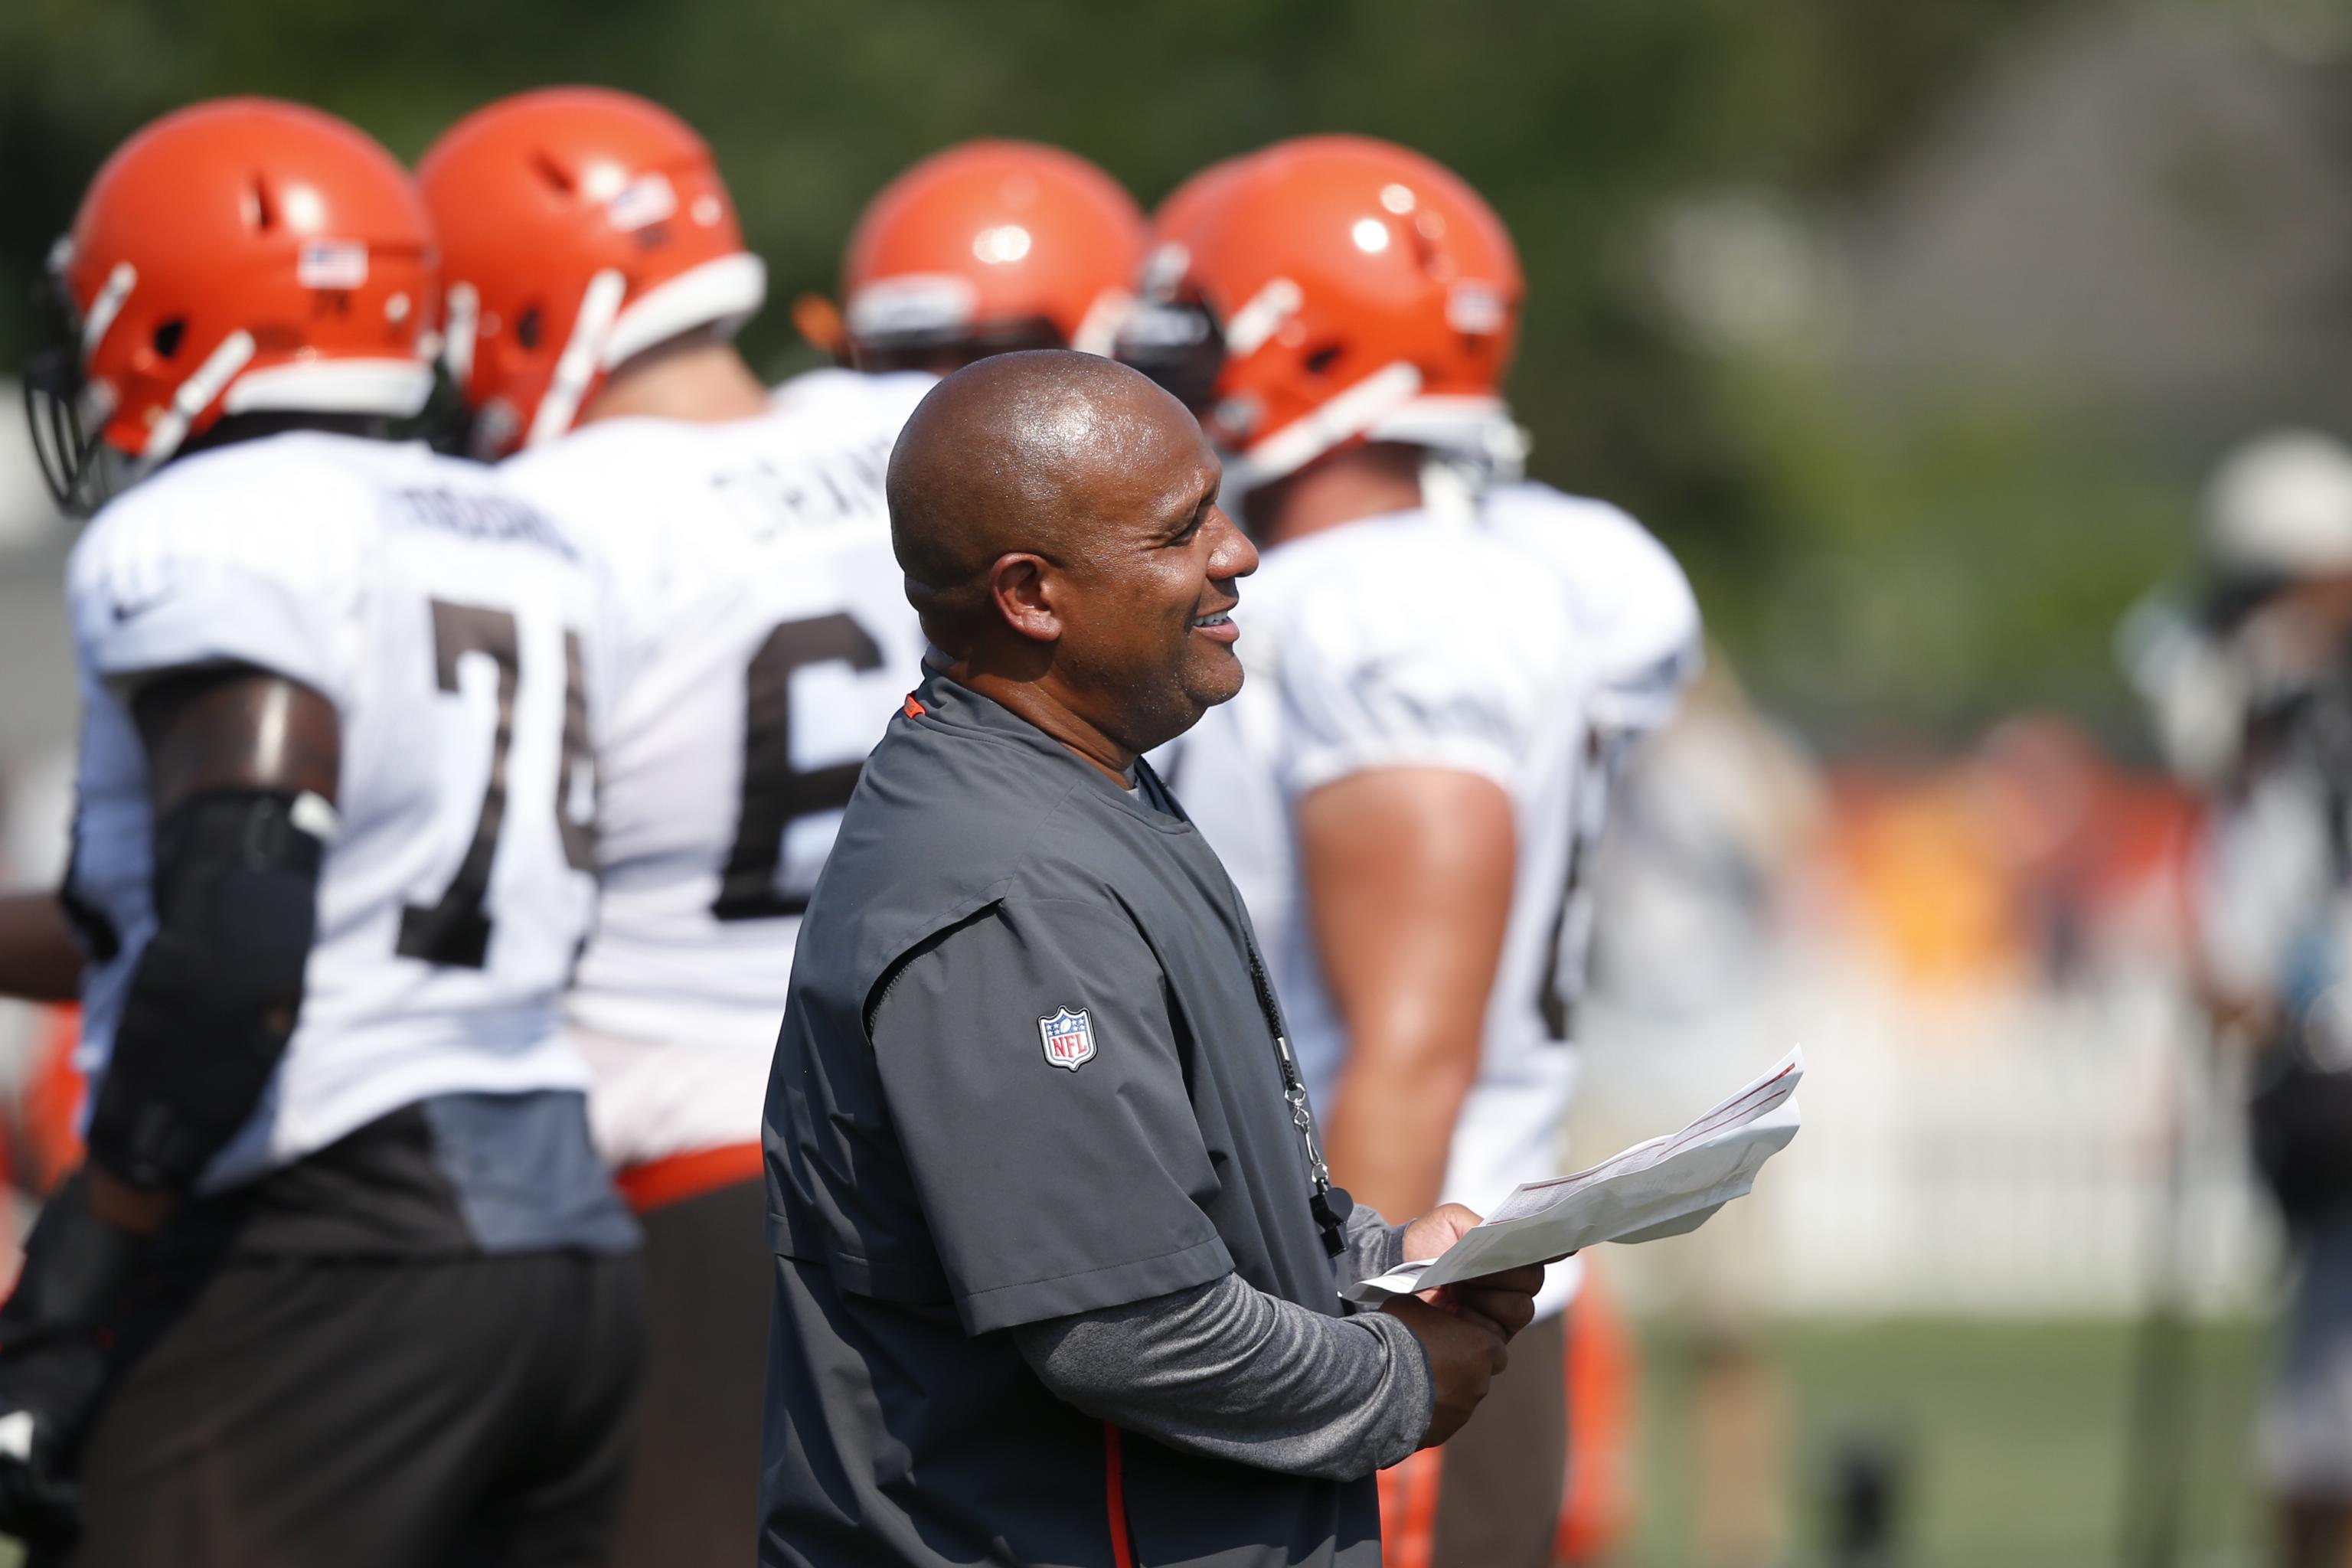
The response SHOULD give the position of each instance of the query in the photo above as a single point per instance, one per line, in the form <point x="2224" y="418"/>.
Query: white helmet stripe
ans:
<point x="194" y="395"/>
<point x="1100" y="328"/>
<point x="583" y="356"/>
<point x="106" y="307"/>
<point x="1257" y="321"/>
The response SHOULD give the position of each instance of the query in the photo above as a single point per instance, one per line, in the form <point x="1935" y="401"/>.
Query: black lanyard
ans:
<point x="1294" y="1089"/>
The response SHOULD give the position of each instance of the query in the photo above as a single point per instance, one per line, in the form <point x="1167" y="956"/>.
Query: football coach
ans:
<point x="1058" y="1265"/>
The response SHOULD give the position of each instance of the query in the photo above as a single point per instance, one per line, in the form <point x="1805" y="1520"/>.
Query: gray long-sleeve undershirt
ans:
<point x="1227" y="1370"/>
<point x="1374" y="1245"/>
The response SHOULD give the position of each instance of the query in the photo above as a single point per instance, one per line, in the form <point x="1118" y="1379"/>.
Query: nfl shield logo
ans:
<point x="1069" y="1038"/>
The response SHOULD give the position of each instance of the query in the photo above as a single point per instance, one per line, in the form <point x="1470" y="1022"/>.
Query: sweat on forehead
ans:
<point x="1008" y="453"/>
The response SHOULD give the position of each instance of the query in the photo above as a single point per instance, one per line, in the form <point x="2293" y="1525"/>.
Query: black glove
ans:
<point x="53" y="1362"/>
<point x="40" y="1505"/>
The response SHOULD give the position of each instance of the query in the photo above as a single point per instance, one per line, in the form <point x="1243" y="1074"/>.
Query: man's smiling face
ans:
<point x="1056" y="517"/>
<point x="1147" y="632"/>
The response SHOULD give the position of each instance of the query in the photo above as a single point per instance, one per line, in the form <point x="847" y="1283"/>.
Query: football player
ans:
<point x="342" y="1256"/>
<point x="977" y="249"/>
<point x="982" y="248"/>
<point x="596" y="276"/>
<point x="1450" y="663"/>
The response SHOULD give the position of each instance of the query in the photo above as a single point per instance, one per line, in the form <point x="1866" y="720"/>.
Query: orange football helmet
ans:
<point x="1361" y="292"/>
<point x="987" y="247"/>
<point x="235" y="257"/>
<point x="1169" y="334"/>
<point x="580" y="226"/>
<point x="1179" y="218"/>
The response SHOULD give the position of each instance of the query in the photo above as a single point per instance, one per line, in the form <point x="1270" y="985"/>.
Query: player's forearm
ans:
<point x="1392" y="1121"/>
<point x="1408" y="874"/>
<point x="39" y="959"/>
<point x="1228" y="1370"/>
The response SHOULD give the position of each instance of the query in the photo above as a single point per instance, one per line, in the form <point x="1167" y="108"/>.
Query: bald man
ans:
<point x="1058" y="1265"/>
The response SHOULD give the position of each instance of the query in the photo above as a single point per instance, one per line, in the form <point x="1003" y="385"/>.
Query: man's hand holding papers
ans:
<point x="1662" y="1187"/>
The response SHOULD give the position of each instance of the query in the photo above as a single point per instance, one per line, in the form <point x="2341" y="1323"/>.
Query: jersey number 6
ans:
<point x="454" y="929"/>
<point x="775" y="791"/>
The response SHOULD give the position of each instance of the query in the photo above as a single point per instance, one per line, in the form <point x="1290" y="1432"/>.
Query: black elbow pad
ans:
<point x="217" y="989"/>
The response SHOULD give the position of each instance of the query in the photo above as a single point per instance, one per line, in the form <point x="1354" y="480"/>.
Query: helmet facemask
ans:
<point x="64" y="409"/>
<point x="1178" y="344"/>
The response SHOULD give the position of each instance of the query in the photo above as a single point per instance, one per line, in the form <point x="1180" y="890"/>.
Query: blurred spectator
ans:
<point x="2274" y="906"/>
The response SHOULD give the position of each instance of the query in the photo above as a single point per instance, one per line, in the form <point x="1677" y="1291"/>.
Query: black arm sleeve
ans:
<point x="1225" y="1370"/>
<point x="218" y="986"/>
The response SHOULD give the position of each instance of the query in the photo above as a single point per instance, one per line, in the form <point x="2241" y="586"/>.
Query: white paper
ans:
<point x="1662" y="1187"/>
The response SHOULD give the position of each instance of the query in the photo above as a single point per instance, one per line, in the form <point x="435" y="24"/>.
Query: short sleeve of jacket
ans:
<point x="1057" y="1177"/>
<point x="225" y="565"/>
<point x="1449" y="665"/>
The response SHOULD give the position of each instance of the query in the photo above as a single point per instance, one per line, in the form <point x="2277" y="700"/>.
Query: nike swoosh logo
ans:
<point x="126" y="612"/>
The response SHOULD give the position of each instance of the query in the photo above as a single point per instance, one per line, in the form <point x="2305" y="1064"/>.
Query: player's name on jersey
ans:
<point x="831" y="487"/>
<point x="477" y="515"/>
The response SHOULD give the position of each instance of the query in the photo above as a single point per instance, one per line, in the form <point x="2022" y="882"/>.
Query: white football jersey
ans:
<point x="1413" y="641"/>
<point x="453" y="628"/>
<point x="763" y="640"/>
<point x="1637" y="626"/>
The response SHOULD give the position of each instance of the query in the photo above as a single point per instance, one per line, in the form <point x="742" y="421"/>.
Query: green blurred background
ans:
<point x="1909" y="326"/>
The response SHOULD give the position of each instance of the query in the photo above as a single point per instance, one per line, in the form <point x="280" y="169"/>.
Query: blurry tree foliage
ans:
<point x="1851" y="569"/>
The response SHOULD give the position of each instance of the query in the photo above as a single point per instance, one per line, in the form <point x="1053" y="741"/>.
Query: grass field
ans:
<point x="2010" y="1439"/>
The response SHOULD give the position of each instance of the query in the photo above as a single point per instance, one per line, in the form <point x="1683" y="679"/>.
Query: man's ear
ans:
<point x="1023" y="595"/>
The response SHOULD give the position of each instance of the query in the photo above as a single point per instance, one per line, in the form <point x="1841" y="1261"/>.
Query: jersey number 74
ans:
<point x="455" y="928"/>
